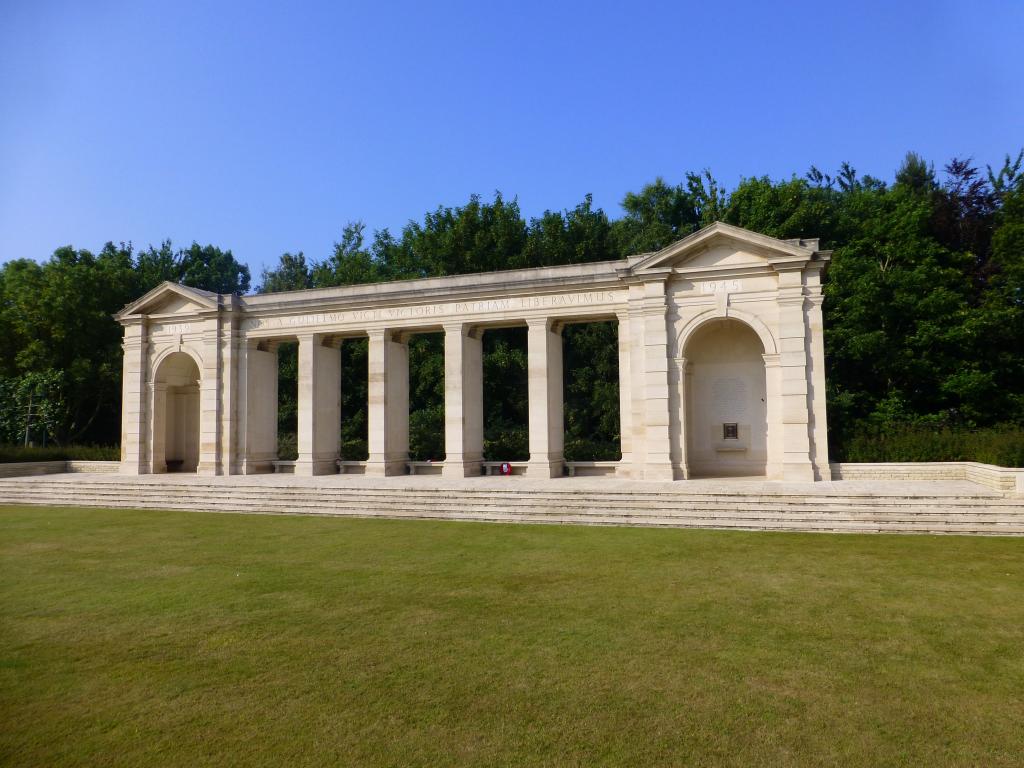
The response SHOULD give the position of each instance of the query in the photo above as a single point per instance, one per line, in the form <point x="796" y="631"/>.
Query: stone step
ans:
<point x="748" y="510"/>
<point x="526" y="503"/>
<point x="730" y="507"/>
<point x="530" y="496"/>
<point x="767" y="523"/>
<point x="762" y="512"/>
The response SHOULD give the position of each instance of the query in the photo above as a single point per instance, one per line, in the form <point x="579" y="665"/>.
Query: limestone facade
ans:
<point x="721" y="364"/>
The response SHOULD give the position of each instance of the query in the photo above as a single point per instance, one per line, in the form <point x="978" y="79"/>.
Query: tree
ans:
<point x="292" y="274"/>
<point x="60" y="340"/>
<point x="211" y="269"/>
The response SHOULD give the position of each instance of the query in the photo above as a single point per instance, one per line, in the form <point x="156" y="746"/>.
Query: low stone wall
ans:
<point x="1004" y="479"/>
<point x="93" y="466"/>
<point x="30" y="468"/>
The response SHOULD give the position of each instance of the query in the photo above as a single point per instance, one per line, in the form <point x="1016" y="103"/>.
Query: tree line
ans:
<point x="924" y="309"/>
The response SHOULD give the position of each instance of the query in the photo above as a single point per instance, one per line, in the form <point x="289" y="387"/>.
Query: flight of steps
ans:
<point x="745" y="510"/>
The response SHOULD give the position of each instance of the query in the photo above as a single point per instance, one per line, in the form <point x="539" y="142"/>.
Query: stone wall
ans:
<point x="1004" y="479"/>
<point x="30" y="468"/>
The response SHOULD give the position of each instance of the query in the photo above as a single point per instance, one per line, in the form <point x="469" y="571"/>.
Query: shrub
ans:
<point x="15" y="453"/>
<point x="1001" y="445"/>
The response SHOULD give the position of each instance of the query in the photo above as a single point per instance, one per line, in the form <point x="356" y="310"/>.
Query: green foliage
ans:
<point x="212" y="269"/>
<point x="591" y="356"/>
<point x="426" y="397"/>
<point x="506" y="410"/>
<point x="354" y="396"/>
<point x="1001" y="445"/>
<point x="292" y="274"/>
<point x="16" y="453"/>
<point x="288" y="401"/>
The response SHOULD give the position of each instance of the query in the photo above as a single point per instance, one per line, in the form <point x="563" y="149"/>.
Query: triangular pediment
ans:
<point x="721" y="245"/>
<point x="169" y="299"/>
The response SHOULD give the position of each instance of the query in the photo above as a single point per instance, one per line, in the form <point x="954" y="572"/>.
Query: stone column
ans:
<point x="625" y="468"/>
<point x="547" y="427"/>
<point x="637" y="380"/>
<point x="796" y="463"/>
<point x="684" y="376"/>
<point x="134" y="453"/>
<point x="319" y="422"/>
<point x="463" y="400"/>
<point x="158" y="428"/>
<point x="773" y="415"/>
<point x="257" y="406"/>
<point x="816" y="361"/>
<point x="657" y="400"/>
<point x="229" y="394"/>
<point x="209" y="396"/>
<point x="388" y="403"/>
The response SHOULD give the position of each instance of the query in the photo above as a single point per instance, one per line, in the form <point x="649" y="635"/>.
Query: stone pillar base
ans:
<point x="311" y="467"/>
<point x="207" y="468"/>
<point x="547" y="468"/>
<point x="801" y="472"/>
<point x="262" y="465"/>
<point x="385" y="468"/>
<point x="457" y="468"/>
<point x="659" y="471"/>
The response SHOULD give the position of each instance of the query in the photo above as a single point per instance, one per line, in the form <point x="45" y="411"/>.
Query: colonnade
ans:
<point x="319" y="399"/>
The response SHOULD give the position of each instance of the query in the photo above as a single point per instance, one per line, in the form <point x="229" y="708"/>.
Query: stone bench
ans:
<point x="283" y="467"/>
<point x="424" y="467"/>
<point x="591" y="468"/>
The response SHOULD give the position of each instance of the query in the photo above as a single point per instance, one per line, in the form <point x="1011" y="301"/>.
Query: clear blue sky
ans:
<point x="264" y="127"/>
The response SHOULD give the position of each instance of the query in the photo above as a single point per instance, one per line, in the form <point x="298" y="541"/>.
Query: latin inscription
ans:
<point x="457" y="308"/>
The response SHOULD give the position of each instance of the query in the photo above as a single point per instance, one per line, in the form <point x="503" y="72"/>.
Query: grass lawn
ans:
<point x="166" y="638"/>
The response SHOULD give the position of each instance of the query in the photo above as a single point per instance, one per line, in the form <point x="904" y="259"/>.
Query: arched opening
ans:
<point x="176" y="412"/>
<point x="727" y="416"/>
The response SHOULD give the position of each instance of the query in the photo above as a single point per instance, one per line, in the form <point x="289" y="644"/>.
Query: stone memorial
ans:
<point x="720" y="332"/>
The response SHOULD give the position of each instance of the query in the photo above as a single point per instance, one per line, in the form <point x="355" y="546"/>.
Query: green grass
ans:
<point x="152" y="638"/>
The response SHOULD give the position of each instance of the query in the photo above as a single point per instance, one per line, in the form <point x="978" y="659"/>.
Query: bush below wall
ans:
<point x="1002" y="446"/>
<point x="18" y="453"/>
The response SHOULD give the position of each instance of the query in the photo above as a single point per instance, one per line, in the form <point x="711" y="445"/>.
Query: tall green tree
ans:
<point x="210" y="268"/>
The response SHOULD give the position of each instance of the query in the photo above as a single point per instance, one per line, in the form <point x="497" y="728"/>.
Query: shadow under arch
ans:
<point x="176" y="407"/>
<point x="755" y="323"/>
<point x="725" y="394"/>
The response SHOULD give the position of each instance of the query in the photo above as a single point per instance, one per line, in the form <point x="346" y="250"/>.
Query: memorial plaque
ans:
<point x="729" y="400"/>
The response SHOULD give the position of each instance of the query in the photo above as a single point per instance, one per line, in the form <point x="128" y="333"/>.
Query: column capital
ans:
<point x="469" y="330"/>
<point x="550" y="324"/>
<point x="684" y="365"/>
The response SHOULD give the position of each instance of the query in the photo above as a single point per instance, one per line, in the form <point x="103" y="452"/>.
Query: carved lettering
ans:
<point x="172" y="328"/>
<point x="721" y="286"/>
